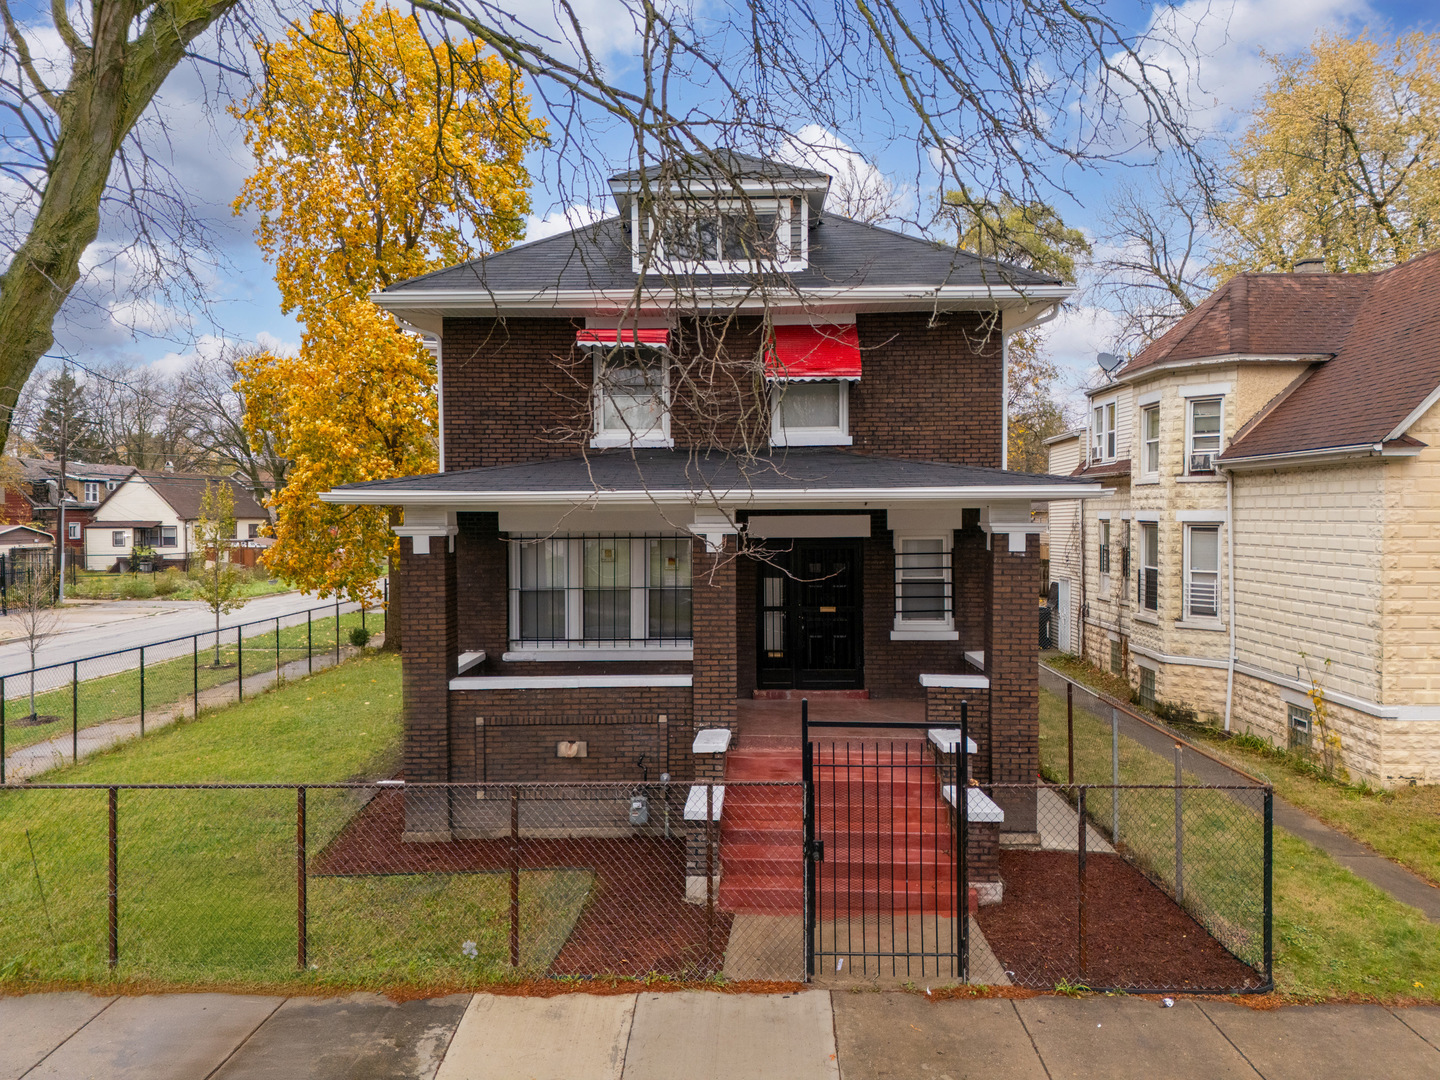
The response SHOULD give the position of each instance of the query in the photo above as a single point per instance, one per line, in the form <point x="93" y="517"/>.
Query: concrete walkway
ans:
<point x="814" y="1035"/>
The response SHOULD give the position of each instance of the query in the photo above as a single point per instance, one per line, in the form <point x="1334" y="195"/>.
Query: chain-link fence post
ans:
<point x="74" y="711"/>
<point x="1070" y="732"/>
<point x="709" y="873"/>
<point x="962" y="854"/>
<point x="309" y="641"/>
<point x="1269" y="880"/>
<point x="514" y="861"/>
<point x="1080" y="891"/>
<point x="337" y="628"/>
<point x="277" y="650"/>
<point x="2" y="725"/>
<point x="195" y="670"/>
<point x="113" y="913"/>
<point x="1115" y="776"/>
<point x="142" y="691"/>
<point x="808" y="853"/>
<point x="1179" y="832"/>
<point x="240" y="661"/>
<point x="302" y="904"/>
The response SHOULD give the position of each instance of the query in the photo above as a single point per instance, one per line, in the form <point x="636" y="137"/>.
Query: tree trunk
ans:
<point x="393" y="631"/>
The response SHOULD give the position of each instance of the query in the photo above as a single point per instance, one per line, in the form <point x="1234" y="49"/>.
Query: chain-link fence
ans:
<point x="351" y="885"/>
<point x="59" y="712"/>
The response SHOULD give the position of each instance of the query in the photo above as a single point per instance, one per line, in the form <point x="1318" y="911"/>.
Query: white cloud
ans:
<point x="1073" y="340"/>
<point x="858" y="188"/>
<point x="276" y="345"/>
<point x="574" y="216"/>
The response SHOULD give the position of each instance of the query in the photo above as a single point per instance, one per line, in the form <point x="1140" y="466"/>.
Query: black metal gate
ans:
<point x="886" y="877"/>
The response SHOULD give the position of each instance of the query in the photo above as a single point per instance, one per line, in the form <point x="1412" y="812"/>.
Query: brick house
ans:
<point x="36" y="497"/>
<point x="1273" y="474"/>
<point x="610" y="561"/>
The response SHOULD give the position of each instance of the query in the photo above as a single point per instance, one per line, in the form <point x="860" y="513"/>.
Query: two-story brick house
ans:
<point x="671" y="481"/>
<point x="1271" y="464"/>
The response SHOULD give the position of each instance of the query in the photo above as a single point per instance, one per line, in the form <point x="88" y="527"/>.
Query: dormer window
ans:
<point x="725" y="236"/>
<point x="631" y="386"/>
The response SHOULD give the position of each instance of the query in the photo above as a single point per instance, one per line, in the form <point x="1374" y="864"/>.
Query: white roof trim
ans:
<point x="1415" y="414"/>
<point x="1319" y="456"/>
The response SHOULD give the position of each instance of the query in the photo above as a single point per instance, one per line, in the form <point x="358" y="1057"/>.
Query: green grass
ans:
<point x="207" y="878"/>
<point x="1401" y="824"/>
<point x="91" y="585"/>
<point x="1334" y="934"/>
<point x="169" y="684"/>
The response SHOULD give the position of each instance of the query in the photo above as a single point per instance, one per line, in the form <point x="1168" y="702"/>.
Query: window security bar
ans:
<point x="600" y="591"/>
<point x="924" y="591"/>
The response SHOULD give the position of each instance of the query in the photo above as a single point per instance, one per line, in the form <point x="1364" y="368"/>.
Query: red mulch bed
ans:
<point x="1136" y="936"/>
<point x="634" y="923"/>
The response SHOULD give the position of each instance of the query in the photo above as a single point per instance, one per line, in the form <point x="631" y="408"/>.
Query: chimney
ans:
<point x="169" y="466"/>
<point x="1310" y="266"/>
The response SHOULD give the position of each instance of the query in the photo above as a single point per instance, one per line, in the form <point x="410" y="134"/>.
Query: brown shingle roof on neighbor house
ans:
<point x="1102" y="469"/>
<point x="183" y="491"/>
<point x="1383" y="370"/>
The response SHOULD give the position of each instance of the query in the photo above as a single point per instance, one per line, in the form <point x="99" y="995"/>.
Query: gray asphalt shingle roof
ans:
<point x="661" y="470"/>
<point x="732" y="165"/>
<point x="843" y="254"/>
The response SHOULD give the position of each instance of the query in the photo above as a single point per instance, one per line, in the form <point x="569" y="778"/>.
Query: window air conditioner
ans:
<point x="1202" y="463"/>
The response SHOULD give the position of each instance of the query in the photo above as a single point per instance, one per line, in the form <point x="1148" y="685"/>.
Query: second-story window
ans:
<point x="811" y="414"/>
<point x="727" y="235"/>
<point x="92" y="492"/>
<point x="1150" y="436"/>
<point x="1204" y="440"/>
<point x="632" y="396"/>
<point x="1147" y="593"/>
<point x="1102" y="433"/>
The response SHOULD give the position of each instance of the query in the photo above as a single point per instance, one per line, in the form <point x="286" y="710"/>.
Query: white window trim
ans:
<point x="635" y="648"/>
<point x="608" y="439"/>
<point x="85" y="491"/>
<point x="1219" y="390"/>
<point x="1150" y="398"/>
<point x="789" y="259"/>
<point x="927" y="629"/>
<point x="1190" y="404"/>
<point x="1138" y="564"/>
<point x="817" y="436"/>
<point x="1147" y="475"/>
<point x="1203" y="621"/>
<point x="1106" y="440"/>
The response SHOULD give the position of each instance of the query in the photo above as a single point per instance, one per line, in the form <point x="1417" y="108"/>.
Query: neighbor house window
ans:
<point x="1147" y="593"/>
<point x="254" y="532"/>
<point x="632" y="396"/>
<point x="600" y="590"/>
<point x="117" y="538"/>
<point x="1150" y="436"/>
<point x="1204" y="440"/>
<point x="1202" y="571"/>
<point x="167" y="535"/>
<point x="811" y="413"/>
<point x="72" y="529"/>
<point x="1298" y="721"/>
<point x="1116" y="660"/>
<point x="1147" y="687"/>
<point x="922" y="583"/>
<point x="92" y="492"/>
<point x="1105" y="548"/>
<point x="1102" y="432"/>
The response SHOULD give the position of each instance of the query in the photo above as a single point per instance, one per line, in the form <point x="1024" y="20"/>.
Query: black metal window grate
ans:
<point x="924" y="592"/>
<point x="598" y="590"/>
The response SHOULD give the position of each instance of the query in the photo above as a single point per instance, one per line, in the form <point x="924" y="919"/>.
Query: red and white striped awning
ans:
<point x="655" y="337"/>
<point x="814" y="353"/>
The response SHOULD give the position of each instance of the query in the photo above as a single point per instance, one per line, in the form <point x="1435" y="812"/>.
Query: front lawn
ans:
<point x="163" y="585"/>
<point x="207" y="879"/>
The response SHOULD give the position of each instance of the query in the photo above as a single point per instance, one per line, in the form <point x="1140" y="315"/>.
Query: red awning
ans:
<point x="657" y="337"/>
<point x="814" y="352"/>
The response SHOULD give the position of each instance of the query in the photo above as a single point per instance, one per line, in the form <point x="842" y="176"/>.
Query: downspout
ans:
<point x="1005" y="377"/>
<point x="1230" y="585"/>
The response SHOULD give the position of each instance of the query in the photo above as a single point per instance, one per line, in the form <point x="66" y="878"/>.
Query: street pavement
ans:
<point x="857" y="1034"/>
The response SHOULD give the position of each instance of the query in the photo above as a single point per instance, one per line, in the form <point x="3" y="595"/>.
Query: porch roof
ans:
<point x="785" y="477"/>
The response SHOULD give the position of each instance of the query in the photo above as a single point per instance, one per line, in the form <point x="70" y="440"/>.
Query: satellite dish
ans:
<point x="1109" y="361"/>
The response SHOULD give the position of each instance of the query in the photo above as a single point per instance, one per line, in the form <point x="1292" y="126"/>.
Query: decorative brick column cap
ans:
<point x="424" y="522"/>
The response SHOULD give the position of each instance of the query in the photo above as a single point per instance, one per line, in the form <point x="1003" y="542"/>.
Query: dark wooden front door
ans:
<point x="810" y="619"/>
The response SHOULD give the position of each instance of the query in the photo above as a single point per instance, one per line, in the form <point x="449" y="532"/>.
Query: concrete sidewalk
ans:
<point x="814" y="1035"/>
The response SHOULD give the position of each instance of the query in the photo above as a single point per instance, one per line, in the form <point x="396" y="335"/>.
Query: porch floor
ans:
<point x="775" y="725"/>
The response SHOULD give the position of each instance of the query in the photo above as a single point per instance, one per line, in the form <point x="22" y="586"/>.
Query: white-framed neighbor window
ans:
<point x="1150" y="442"/>
<point x="1202" y="439"/>
<point x="600" y="591"/>
<point x="92" y="491"/>
<point x="1202" y="571"/>
<point x="924" y="593"/>
<point x="1104" y="554"/>
<point x="1102" y="432"/>
<point x="632" y="396"/>
<point x="727" y="236"/>
<point x="72" y="530"/>
<point x="810" y="413"/>
<point x="167" y="535"/>
<point x="117" y="538"/>
<point x="1147" y="592"/>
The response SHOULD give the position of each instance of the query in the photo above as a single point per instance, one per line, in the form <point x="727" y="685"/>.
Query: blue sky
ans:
<point x="209" y="158"/>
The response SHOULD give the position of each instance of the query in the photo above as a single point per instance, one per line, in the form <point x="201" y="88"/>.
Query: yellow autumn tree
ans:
<point x="380" y="157"/>
<point x="1341" y="161"/>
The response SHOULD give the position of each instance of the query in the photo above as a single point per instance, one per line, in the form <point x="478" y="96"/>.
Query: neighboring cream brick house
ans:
<point x="160" y="510"/>
<point x="1284" y="437"/>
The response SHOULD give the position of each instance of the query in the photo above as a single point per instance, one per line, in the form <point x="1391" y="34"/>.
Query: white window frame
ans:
<point x="810" y="436"/>
<point x="603" y="438"/>
<point x="1144" y="570"/>
<point x="1104" y="557"/>
<point x="787" y="258"/>
<point x="1188" y="615"/>
<point x="72" y="530"/>
<point x="636" y="646"/>
<point x="1103" y="437"/>
<point x="940" y="629"/>
<point x="91" y="491"/>
<point x="119" y="538"/>
<point x="1146" y="442"/>
<point x="1190" y="450"/>
<point x="174" y="536"/>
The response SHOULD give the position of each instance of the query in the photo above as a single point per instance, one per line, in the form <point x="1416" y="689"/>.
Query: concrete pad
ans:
<point x="169" y="1037"/>
<point x="1121" y="1038"/>
<point x="569" y="1037"/>
<point x="769" y="947"/>
<point x="856" y="951"/>
<point x="1423" y="1020"/>
<point x="35" y="1024"/>
<point x="904" y="1036"/>
<point x="357" y="1037"/>
<point x="708" y="1036"/>
<point x="1334" y="1041"/>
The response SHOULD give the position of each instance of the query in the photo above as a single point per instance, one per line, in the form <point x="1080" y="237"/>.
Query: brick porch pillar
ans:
<point x="428" y="659"/>
<point x="715" y="682"/>
<point x="1012" y="664"/>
